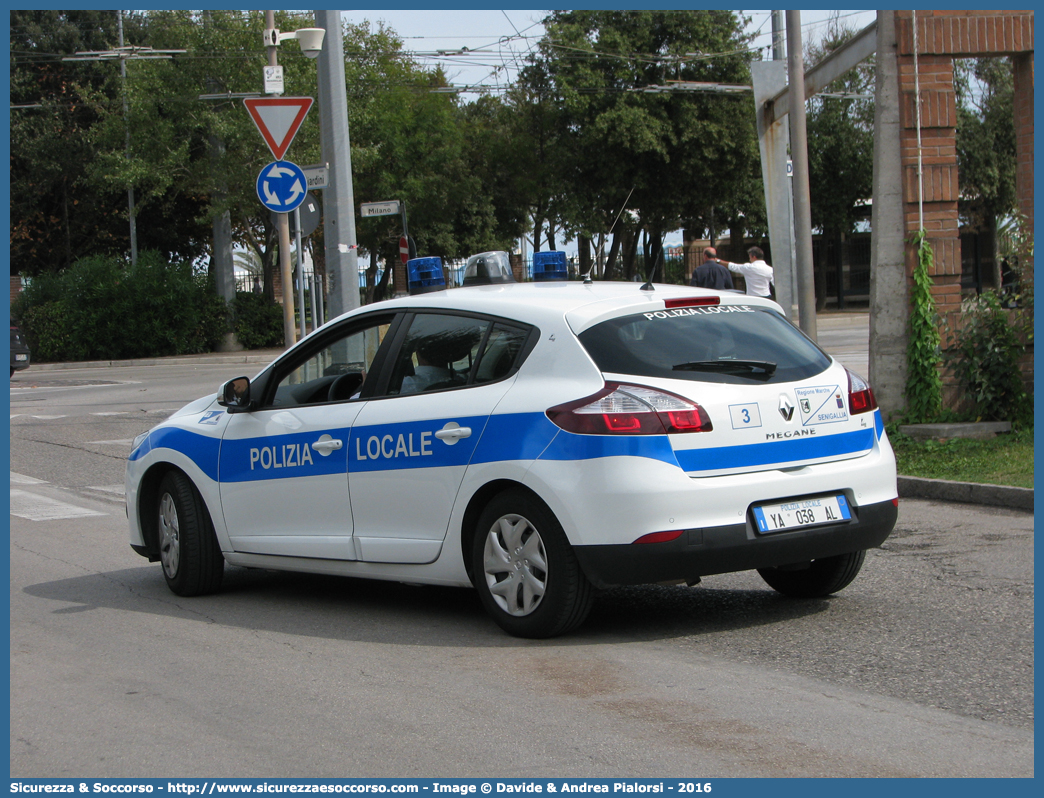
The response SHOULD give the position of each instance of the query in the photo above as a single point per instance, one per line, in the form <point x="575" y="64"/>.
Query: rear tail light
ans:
<point x="630" y="410"/>
<point x="660" y="537"/>
<point x="860" y="397"/>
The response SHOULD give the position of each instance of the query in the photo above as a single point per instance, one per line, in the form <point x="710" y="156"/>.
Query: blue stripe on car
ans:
<point x="515" y="436"/>
<point x="201" y="449"/>
<point x="761" y="454"/>
<point x="282" y="457"/>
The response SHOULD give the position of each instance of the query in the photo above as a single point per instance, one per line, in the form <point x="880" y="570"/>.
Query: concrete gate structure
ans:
<point x="941" y="36"/>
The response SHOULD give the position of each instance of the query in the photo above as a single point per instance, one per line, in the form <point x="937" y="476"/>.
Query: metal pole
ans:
<point x="338" y="198"/>
<point x="319" y="288"/>
<point x="300" y="268"/>
<point x="778" y="53"/>
<point x="799" y="155"/>
<point x="283" y="228"/>
<point x="126" y="125"/>
<point x="316" y="322"/>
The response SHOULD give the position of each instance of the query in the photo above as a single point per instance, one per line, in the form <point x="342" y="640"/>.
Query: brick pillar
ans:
<point x="400" y="284"/>
<point x="1023" y="64"/>
<point x="937" y="190"/>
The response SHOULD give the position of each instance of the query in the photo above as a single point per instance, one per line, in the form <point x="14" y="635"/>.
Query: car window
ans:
<point x="502" y="348"/>
<point x="336" y="372"/>
<point x="724" y="344"/>
<point x="438" y="352"/>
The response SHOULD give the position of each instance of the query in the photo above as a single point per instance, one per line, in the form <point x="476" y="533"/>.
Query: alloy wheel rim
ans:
<point x="169" y="536"/>
<point x="515" y="565"/>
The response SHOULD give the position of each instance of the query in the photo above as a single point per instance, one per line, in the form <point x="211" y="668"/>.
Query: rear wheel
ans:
<point x="188" y="548"/>
<point x="821" y="578"/>
<point x="525" y="571"/>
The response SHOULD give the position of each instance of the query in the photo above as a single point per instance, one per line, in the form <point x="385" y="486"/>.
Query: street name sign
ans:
<point x="281" y="186"/>
<point x="389" y="208"/>
<point x="278" y="119"/>
<point x="317" y="175"/>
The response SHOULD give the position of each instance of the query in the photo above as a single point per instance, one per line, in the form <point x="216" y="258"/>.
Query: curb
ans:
<point x="263" y="356"/>
<point x="967" y="492"/>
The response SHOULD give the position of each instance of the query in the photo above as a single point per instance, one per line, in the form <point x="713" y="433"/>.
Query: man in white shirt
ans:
<point x="756" y="274"/>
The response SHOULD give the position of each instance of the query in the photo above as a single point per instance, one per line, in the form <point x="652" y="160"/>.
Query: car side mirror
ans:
<point x="235" y="395"/>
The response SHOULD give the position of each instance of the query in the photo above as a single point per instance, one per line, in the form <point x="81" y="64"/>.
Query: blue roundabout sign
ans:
<point x="281" y="186"/>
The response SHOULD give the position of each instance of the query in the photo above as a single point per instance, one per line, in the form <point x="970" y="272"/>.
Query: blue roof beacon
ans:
<point x="549" y="266"/>
<point x="425" y="275"/>
<point x="488" y="268"/>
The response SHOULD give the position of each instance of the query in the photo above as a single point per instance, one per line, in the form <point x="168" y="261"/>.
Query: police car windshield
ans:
<point x="725" y="344"/>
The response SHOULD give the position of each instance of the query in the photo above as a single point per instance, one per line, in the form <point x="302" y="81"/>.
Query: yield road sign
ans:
<point x="281" y="186"/>
<point x="278" y="119"/>
<point x="404" y="250"/>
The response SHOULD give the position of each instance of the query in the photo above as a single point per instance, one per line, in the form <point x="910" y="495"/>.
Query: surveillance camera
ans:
<point x="311" y="40"/>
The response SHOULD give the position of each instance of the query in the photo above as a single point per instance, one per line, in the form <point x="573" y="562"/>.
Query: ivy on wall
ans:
<point x="923" y="384"/>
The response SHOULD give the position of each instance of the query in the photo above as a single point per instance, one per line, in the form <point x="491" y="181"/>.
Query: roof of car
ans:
<point x="584" y="303"/>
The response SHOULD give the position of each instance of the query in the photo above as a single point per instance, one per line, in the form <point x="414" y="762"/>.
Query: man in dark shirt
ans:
<point x="710" y="273"/>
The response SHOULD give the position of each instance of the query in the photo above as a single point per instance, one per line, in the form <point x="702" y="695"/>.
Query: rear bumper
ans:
<point x="16" y="364"/>
<point x="736" y="547"/>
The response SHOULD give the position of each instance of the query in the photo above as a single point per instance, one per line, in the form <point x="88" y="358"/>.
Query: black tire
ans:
<point x="821" y="578"/>
<point x="189" y="553"/>
<point x="540" y="553"/>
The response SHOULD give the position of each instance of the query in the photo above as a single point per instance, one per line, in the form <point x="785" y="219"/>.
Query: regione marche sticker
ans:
<point x="824" y="404"/>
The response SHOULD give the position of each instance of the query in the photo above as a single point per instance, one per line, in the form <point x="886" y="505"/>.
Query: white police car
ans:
<point x="538" y="441"/>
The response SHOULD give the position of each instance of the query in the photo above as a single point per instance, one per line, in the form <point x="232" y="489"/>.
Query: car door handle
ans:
<point x="453" y="433"/>
<point x="326" y="446"/>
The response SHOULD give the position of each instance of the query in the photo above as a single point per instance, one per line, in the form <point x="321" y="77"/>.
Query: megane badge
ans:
<point x="786" y="409"/>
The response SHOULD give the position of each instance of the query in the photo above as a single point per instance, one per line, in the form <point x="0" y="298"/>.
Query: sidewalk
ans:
<point x="844" y="334"/>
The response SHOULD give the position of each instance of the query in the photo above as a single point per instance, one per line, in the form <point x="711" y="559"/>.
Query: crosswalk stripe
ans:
<point x="22" y="479"/>
<point x="41" y="508"/>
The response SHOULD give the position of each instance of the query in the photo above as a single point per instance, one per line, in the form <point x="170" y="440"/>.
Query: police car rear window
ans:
<point x="736" y="344"/>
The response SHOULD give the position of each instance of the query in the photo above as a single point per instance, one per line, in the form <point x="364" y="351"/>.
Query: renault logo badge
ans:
<point x="786" y="409"/>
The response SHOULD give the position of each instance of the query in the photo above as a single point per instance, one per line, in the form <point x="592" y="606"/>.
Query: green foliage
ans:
<point x="257" y="320"/>
<point x="1015" y="245"/>
<point x="101" y="309"/>
<point x="840" y="138"/>
<point x="985" y="360"/>
<point x="923" y="384"/>
<point x="986" y="159"/>
<point x="593" y="137"/>
<point x="1002" y="460"/>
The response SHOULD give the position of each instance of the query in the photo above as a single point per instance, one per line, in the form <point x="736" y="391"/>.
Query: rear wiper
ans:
<point x="755" y="367"/>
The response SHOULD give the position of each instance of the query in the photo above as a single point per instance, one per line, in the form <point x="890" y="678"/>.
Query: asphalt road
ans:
<point x="922" y="667"/>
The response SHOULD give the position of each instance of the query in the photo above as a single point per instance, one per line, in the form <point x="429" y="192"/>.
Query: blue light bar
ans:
<point x="550" y="266"/>
<point x="424" y="275"/>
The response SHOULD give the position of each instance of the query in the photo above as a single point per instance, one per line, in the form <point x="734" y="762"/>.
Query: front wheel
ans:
<point x="821" y="578"/>
<point x="189" y="551"/>
<point x="524" y="569"/>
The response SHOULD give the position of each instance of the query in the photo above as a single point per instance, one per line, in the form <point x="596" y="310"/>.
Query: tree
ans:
<point x="986" y="156"/>
<point x="60" y="215"/>
<point x="672" y="152"/>
<point x="840" y="123"/>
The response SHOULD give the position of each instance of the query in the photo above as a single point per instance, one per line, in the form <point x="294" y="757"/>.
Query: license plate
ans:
<point x="21" y="357"/>
<point x="802" y="513"/>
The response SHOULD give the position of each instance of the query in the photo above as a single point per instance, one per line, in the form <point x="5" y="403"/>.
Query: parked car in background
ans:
<point x="19" y="351"/>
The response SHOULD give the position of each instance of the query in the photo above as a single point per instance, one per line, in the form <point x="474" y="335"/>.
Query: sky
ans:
<point x="498" y="41"/>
